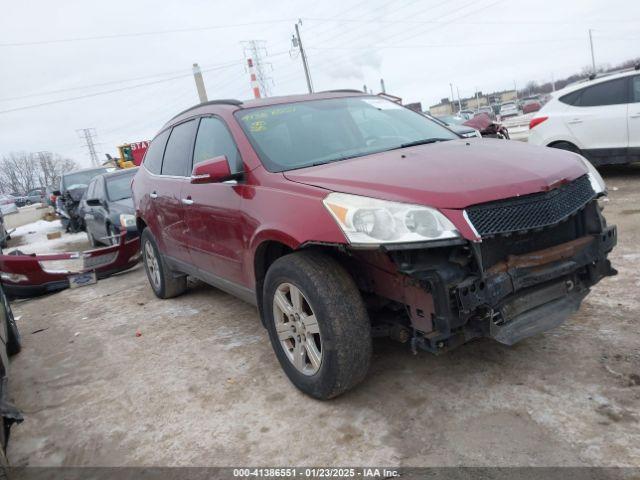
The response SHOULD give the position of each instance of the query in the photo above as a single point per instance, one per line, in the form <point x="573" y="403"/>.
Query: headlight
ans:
<point x="127" y="221"/>
<point x="597" y="183"/>
<point x="371" y="221"/>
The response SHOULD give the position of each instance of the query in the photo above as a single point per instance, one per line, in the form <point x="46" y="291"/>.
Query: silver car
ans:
<point x="509" y="109"/>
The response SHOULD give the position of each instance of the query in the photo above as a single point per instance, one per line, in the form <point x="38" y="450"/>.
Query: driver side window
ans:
<point x="213" y="140"/>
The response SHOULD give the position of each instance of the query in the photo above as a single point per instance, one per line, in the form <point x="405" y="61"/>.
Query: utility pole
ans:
<point x="88" y="135"/>
<point x="459" y="103"/>
<point x="296" y="41"/>
<point x="593" y="58"/>
<point x="453" y="100"/>
<point x="477" y="100"/>
<point x="255" y="50"/>
<point x="197" y="76"/>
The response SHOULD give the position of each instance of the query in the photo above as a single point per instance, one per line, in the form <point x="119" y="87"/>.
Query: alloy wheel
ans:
<point x="151" y="261"/>
<point x="297" y="329"/>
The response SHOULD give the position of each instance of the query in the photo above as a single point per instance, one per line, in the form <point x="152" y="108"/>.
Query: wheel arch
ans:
<point x="270" y="250"/>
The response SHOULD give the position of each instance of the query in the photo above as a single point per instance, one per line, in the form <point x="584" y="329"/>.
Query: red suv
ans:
<point x="345" y="216"/>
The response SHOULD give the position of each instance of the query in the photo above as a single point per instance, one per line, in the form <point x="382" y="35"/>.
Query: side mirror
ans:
<point x="214" y="170"/>
<point x="94" y="202"/>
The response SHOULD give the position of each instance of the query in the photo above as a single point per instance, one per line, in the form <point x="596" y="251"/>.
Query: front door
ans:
<point x="213" y="211"/>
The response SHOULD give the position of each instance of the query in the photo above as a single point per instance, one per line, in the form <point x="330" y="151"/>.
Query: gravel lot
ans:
<point x="201" y="385"/>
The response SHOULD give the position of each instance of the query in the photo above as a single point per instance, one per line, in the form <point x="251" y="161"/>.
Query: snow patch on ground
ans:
<point x="32" y="238"/>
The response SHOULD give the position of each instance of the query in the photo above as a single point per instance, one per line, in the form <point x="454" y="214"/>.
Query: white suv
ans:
<point x="598" y="118"/>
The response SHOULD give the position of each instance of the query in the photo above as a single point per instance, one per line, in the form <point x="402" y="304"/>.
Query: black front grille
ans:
<point x="531" y="211"/>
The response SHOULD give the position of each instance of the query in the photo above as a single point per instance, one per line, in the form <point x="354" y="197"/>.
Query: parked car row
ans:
<point x="343" y="215"/>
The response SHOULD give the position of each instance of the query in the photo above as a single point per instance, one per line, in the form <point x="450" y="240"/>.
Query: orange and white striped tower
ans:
<point x="254" y="79"/>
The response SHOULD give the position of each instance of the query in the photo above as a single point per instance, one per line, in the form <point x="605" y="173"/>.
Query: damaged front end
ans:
<point x="536" y="258"/>
<point x="31" y="275"/>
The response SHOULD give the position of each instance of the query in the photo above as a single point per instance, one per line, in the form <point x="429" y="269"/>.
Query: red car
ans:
<point x="344" y="216"/>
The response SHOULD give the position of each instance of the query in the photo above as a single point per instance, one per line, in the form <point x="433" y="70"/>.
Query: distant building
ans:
<point x="445" y="107"/>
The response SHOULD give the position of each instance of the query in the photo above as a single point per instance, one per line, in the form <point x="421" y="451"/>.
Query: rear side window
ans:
<point x="571" y="98"/>
<point x="177" y="155"/>
<point x="153" y="157"/>
<point x="214" y="140"/>
<point x="613" y="92"/>
<point x="636" y="89"/>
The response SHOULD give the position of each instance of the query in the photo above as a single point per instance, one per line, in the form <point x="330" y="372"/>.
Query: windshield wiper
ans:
<point x="424" y="141"/>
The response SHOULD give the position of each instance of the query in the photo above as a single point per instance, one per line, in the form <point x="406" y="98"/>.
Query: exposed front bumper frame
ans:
<point x="103" y="261"/>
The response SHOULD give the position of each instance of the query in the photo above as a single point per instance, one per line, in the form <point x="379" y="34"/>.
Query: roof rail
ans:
<point x="343" y="90"/>
<point x="226" y="101"/>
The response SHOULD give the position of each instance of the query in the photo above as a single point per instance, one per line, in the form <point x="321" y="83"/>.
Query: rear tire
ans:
<point x="318" y="324"/>
<point x="164" y="282"/>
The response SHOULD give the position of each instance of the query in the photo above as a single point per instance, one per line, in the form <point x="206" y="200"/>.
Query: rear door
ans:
<point x="174" y="178"/>
<point x="213" y="214"/>
<point x="634" y="120"/>
<point x="598" y="120"/>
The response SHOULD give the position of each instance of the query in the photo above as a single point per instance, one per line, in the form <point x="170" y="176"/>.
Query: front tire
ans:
<point x="163" y="281"/>
<point x="318" y="324"/>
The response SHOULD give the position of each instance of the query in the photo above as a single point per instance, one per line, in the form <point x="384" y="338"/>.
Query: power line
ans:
<point x="104" y="92"/>
<point x="101" y="84"/>
<point x="489" y="22"/>
<point x="141" y="34"/>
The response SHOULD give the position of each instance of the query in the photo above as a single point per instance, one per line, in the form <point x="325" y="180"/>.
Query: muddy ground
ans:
<point x="201" y="385"/>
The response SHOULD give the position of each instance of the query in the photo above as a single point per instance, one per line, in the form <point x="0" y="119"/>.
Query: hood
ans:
<point x="452" y="174"/>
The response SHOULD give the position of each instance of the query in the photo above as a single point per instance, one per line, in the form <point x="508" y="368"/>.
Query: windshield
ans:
<point x="119" y="187"/>
<point x="302" y="134"/>
<point x="80" y="179"/>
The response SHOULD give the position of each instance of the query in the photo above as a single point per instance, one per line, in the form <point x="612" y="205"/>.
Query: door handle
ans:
<point x="637" y="115"/>
<point x="187" y="201"/>
<point x="574" y="121"/>
<point x="153" y="195"/>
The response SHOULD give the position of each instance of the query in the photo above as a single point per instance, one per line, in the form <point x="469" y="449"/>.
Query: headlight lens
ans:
<point x="370" y="221"/>
<point x="597" y="183"/>
<point x="127" y="221"/>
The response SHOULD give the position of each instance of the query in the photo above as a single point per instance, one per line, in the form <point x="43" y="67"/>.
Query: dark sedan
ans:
<point x="108" y="208"/>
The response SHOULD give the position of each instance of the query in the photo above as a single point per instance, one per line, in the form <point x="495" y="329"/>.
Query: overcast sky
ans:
<point x="419" y="47"/>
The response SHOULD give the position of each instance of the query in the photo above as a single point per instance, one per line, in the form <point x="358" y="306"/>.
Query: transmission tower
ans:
<point x="89" y="135"/>
<point x="257" y="51"/>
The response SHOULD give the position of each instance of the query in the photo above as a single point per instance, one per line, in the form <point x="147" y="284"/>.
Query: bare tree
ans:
<point x="23" y="171"/>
